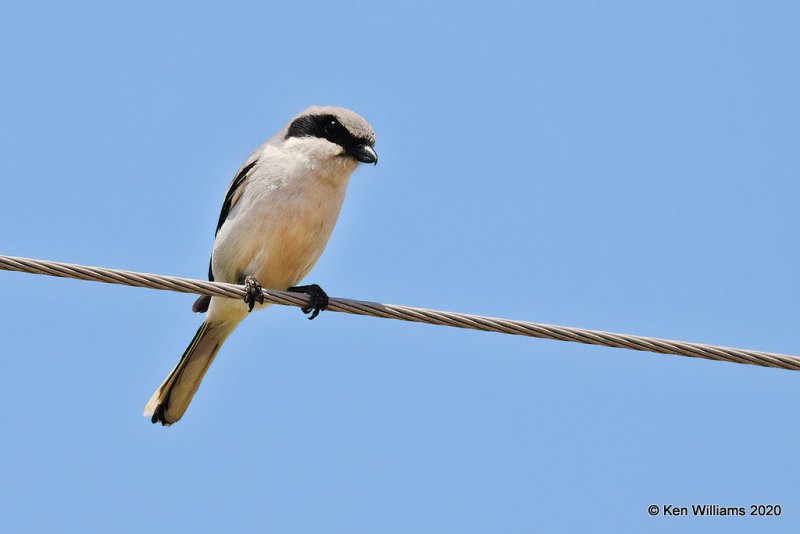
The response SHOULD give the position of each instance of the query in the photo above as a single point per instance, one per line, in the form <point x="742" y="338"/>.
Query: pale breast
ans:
<point x="278" y="229"/>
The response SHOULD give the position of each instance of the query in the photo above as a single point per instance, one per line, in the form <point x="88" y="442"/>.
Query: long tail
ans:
<point x="169" y="402"/>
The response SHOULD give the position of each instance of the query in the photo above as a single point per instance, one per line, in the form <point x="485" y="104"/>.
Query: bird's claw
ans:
<point x="318" y="297"/>
<point x="253" y="292"/>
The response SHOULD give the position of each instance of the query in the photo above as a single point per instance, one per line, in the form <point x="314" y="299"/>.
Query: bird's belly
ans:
<point x="290" y="251"/>
<point x="279" y="240"/>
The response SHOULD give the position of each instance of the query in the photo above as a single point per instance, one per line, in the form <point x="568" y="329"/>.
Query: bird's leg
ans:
<point x="319" y="299"/>
<point x="253" y="292"/>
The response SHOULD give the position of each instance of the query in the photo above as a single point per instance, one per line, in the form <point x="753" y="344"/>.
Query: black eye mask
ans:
<point x="328" y="127"/>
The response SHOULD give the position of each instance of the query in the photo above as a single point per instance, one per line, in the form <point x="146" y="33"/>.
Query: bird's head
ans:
<point x="333" y="138"/>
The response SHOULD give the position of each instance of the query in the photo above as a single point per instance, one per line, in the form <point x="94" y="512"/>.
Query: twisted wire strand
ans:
<point x="406" y="313"/>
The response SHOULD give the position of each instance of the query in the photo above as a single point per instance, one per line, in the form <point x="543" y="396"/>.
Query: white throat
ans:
<point x="324" y="159"/>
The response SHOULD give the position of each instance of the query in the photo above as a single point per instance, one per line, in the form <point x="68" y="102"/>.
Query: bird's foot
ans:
<point x="319" y="299"/>
<point x="253" y="292"/>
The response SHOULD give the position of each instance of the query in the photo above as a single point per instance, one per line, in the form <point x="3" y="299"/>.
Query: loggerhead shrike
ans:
<point x="276" y="219"/>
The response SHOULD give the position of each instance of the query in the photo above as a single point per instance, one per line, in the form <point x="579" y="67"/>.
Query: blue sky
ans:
<point x="625" y="166"/>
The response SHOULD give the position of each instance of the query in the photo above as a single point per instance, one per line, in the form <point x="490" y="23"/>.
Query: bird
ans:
<point x="276" y="218"/>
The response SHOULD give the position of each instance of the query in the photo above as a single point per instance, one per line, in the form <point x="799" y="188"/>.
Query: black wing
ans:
<point x="226" y="206"/>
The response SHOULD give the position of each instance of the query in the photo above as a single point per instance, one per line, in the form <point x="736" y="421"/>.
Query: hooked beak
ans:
<point x="365" y="154"/>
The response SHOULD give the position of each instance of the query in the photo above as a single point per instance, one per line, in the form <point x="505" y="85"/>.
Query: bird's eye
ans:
<point x="332" y="126"/>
